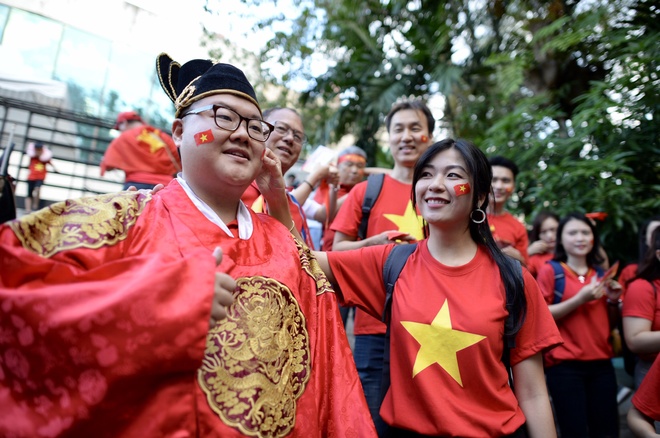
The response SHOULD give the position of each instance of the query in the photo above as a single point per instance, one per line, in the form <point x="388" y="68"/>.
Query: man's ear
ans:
<point x="177" y="132"/>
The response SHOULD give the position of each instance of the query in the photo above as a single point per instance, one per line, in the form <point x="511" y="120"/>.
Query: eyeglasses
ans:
<point x="230" y="120"/>
<point x="283" y="129"/>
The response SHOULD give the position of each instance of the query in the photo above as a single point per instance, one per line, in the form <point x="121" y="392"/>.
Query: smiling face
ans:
<point x="216" y="162"/>
<point x="503" y="184"/>
<point x="577" y="238"/>
<point x="282" y="140"/>
<point x="409" y="136"/>
<point x="444" y="190"/>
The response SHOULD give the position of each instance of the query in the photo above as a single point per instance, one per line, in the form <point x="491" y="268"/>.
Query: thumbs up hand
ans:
<point x="223" y="292"/>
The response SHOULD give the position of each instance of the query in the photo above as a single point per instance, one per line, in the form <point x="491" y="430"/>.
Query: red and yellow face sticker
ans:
<point x="462" y="189"/>
<point x="204" y="137"/>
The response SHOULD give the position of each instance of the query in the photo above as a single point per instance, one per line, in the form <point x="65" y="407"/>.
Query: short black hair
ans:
<point x="499" y="160"/>
<point x="413" y="104"/>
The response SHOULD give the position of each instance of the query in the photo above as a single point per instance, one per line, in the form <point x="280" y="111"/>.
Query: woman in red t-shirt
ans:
<point x="448" y="312"/>
<point x="641" y="310"/>
<point x="580" y="374"/>
<point x="543" y="237"/>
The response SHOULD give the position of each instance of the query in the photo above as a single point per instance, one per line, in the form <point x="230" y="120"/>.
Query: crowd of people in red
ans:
<point x="206" y="308"/>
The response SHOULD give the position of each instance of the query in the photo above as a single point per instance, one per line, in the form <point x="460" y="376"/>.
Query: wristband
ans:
<point x="309" y="184"/>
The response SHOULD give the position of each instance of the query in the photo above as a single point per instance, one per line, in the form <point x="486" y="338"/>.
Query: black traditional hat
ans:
<point x="199" y="78"/>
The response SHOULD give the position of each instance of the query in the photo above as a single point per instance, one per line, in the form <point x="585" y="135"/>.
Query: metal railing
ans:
<point x="77" y="141"/>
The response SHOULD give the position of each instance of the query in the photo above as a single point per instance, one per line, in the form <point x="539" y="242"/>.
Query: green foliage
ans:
<point x="569" y="90"/>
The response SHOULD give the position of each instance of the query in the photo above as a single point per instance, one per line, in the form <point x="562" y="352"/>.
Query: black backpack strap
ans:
<point x="394" y="264"/>
<point x="374" y="185"/>
<point x="510" y="339"/>
<point x="560" y="280"/>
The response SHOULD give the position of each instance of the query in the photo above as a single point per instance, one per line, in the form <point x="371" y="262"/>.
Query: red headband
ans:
<point x="351" y="157"/>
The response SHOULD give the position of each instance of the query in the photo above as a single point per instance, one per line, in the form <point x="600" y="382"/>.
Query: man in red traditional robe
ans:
<point x="121" y="315"/>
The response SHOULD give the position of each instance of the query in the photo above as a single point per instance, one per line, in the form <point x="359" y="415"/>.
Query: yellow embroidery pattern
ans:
<point x="257" y="361"/>
<point x="312" y="268"/>
<point x="81" y="223"/>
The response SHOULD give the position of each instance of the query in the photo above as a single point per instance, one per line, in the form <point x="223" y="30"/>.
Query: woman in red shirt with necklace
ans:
<point x="580" y="375"/>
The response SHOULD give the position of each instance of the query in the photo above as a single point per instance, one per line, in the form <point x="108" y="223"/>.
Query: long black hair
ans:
<point x="594" y="257"/>
<point x="643" y="246"/>
<point x="535" y="233"/>
<point x="649" y="266"/>
<point x="479" y="170"/>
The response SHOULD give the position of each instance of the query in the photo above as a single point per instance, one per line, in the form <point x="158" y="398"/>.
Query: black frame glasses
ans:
<point x="230" y="120"/>
<point x="283" y="129"/>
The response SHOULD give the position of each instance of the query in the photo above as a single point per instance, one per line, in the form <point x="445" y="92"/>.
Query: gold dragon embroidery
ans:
<point x="81" y="223"/>
<point x="257" y="361"/>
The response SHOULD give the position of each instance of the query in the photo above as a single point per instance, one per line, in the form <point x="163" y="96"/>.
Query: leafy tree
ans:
<point x="567" y="89"/>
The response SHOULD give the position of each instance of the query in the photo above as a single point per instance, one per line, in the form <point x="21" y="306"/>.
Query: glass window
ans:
<point x="129" y="80"/>
<point x="34" y="41"/>
<point x="4" y="13"/>
<point x="82" y="63"/>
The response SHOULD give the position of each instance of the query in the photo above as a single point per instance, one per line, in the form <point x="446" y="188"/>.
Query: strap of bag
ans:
<point x="560" y="281"/>
<point x="394" y="264"/>
<point x="374" y="185"/>
<point x="510" y="340"/>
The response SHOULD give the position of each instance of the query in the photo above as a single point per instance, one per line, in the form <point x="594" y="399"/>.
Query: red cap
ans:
<point x="127" y="116"/>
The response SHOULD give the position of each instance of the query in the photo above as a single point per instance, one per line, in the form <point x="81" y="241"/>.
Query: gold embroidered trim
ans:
<point x="312" y="268"/>
<point x="81" y="223"/>
<point x="257" y="361"/>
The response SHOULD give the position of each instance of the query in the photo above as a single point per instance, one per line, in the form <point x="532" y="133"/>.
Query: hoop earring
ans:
<point x="483" y="216"/>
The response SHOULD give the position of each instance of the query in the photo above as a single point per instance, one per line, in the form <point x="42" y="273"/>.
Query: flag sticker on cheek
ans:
<point x="204" y="137"/>
<point x="424" y="139"/>
<point x="462" y="189"/>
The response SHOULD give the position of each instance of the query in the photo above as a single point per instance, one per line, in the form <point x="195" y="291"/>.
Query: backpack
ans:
<point x="374" y="185"/>
<point x="394" y="264"/>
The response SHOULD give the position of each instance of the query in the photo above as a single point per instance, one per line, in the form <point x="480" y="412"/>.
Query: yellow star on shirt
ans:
<point x="439" y="343"/>
<point x="151" y="138"/>
<point x="409" y="222"/>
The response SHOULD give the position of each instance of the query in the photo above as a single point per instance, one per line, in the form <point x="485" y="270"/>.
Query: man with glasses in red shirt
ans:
<point x="286" y="141"/>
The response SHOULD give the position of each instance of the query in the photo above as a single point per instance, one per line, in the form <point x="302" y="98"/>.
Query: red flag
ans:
<point x="462" y="189"/>
<point x="204" y="137"/>
<point x="598" y="215"/>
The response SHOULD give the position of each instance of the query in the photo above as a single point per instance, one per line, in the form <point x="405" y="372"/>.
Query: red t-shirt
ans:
<point x="647" y="397"/>
<point x="145" y="154"/>
<point x="586" y="330"/>
<point x="322" y="198"/>
<point x="627" y="274"/>
<point x="392" y="210"/>
<point x="536" y="261"/>
<point x="37" y="169"/>
<point x="447" y="323"/>
<point x="643" y="302"/>
<point x="509" y="231"/>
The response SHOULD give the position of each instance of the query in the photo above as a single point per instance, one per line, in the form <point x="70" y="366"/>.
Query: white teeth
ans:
<point x="436" y="201"/>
